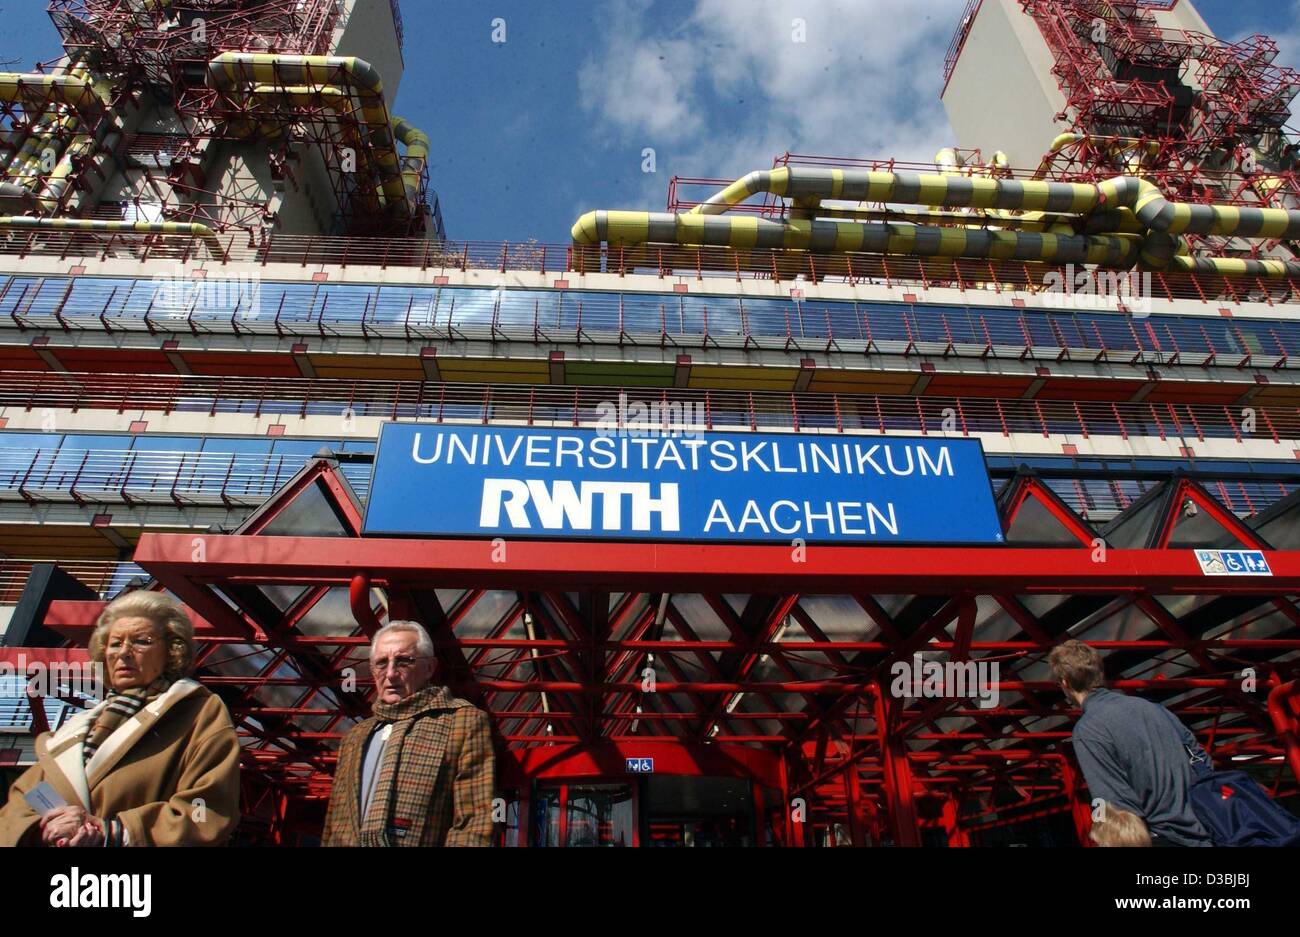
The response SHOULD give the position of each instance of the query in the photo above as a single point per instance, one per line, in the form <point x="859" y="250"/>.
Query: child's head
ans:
<point x="1116" y="827"/>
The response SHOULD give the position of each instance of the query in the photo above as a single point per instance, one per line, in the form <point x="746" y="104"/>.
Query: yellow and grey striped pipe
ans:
<point x="639" y="227"/>
<point x="232" y="70"/>
<point x="1157" y="213"/>
<point x="200" y="231"/>
<point x="81" y="147"/>
<point x="1236" y="266"/>
<point x="416" y="142"/>
<point x="909" y="188"/>
<point x="1159" y="219"/>
<point x="1152" y="209"/>
<point x="74" y="90"/>
<point x="19" y="194"/>
<point x="27" y="159"/>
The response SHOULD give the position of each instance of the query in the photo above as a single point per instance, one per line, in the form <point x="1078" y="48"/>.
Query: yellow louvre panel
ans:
<point x="55" y="541"/>
<point x="740" y="383"/>
<point x="715" y="377"/>
<point x="743" y="372"/>
<point x="389" y="366"/>
<point x="494" y="365"/>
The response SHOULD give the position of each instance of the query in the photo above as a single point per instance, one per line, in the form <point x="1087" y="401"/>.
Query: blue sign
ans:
<point x="640" y="765"/>
<point x="500" y="481"/>
<point x="1233" y="563"/>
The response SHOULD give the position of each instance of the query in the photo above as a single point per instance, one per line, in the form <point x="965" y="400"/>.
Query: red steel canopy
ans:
<point x="763" y="662"/>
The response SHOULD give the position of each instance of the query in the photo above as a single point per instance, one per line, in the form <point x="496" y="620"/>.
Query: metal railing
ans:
<point x="704" y="263"/>
<point x="958" y="41"/>
<point x="106" y="578"/>
<point x="424" y="313"/>
<point x="134" y="477"/>
<point x="591" y="406"/>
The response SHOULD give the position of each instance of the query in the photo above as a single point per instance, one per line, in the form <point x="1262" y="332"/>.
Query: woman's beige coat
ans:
<point x="170" y="773"/>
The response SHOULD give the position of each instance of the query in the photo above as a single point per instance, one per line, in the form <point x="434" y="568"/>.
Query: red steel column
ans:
<point x="1080" y="810"/>
<point x="853" y="799"/>
<point x="795" y="826"/>
<point x="898" y="777"/>
<point x="956" y="835"/>
<point x="1284" y="710"/>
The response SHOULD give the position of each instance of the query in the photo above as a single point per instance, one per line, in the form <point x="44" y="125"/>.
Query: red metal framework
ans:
<point x="1203" y="118"/>
<point x="753" y="652"/>
<point x="166" y="47"/>
<point x="160" y="43"/>
<point x="344" y="132"/>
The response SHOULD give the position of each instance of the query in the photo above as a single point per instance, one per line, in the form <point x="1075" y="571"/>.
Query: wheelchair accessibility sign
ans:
<point x="1233" y="562"/>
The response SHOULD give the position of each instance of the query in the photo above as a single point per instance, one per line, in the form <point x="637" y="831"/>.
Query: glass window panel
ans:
<point x="600" y="815"/>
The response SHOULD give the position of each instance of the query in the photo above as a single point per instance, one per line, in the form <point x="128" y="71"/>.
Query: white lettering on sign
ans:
<point x="760" y="457"/>
<point x="788" y="517"/>
<point x="562" y="505"/>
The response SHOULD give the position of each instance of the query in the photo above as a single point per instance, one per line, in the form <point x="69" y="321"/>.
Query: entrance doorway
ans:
<point x="661" y="810"/>
<point x="686" y="811"/>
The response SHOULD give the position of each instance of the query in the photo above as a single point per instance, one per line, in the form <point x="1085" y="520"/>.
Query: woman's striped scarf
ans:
<point x="119" y="708"/>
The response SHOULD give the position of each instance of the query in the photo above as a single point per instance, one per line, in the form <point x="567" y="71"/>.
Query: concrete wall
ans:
<point x="304" y="206"/>
<point x="366" y="30"/>
<point x="1002" y="94"/>
<point x="1183" y="16"/>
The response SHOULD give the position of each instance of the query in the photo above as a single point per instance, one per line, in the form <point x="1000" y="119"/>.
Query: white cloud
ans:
<point x="642" y="82"/>
<point x="1288" y="40"/>
<point x="864" y="82"/>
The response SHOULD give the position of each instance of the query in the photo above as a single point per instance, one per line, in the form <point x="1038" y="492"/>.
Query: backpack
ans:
<point x="1235" y="810"/>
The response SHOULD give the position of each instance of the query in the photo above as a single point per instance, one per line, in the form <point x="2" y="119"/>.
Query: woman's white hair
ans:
<point x="164" y="611"/>
<point x="423" y="643"/>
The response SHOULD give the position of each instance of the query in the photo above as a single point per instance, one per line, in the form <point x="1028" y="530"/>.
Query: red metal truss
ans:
<point x="157" y="40"/>
<point x="339" y="128"/>
<point x="166" y="47"/>
<point x="763" y="667"/>
<point x="1208" y="114"/>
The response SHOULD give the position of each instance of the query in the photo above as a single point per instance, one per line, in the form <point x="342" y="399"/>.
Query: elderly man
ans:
<point x="420" y="771"/>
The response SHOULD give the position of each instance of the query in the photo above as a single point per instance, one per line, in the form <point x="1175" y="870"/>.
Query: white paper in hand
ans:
<point x="43" y="798"/>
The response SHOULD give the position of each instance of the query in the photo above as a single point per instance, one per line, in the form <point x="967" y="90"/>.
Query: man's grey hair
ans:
<point x="423" y="643"/>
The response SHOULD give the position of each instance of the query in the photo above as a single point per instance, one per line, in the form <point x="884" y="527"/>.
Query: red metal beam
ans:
<point x="653" y="567"/>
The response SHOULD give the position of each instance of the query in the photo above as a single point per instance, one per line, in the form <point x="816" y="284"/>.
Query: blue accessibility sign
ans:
<point x="1233" y="563"/>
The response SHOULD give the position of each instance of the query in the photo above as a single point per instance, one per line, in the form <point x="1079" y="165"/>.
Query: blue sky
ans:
<point x="528" y="133"/>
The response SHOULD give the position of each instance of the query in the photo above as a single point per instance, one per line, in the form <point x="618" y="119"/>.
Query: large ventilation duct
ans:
<point x="1161" y="220"/>
<point x="37" y="91"/>
<point x="633" y="227"/>
<point x="416" y="142"/>
<point x="232" y="70"/>
<point x="200" y="231"/>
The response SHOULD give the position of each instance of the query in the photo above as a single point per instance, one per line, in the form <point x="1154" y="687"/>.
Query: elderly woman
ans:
<point x="155" y="764"/>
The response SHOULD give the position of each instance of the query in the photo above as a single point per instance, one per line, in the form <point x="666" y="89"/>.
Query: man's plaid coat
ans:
<point x="436" y="780"/>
